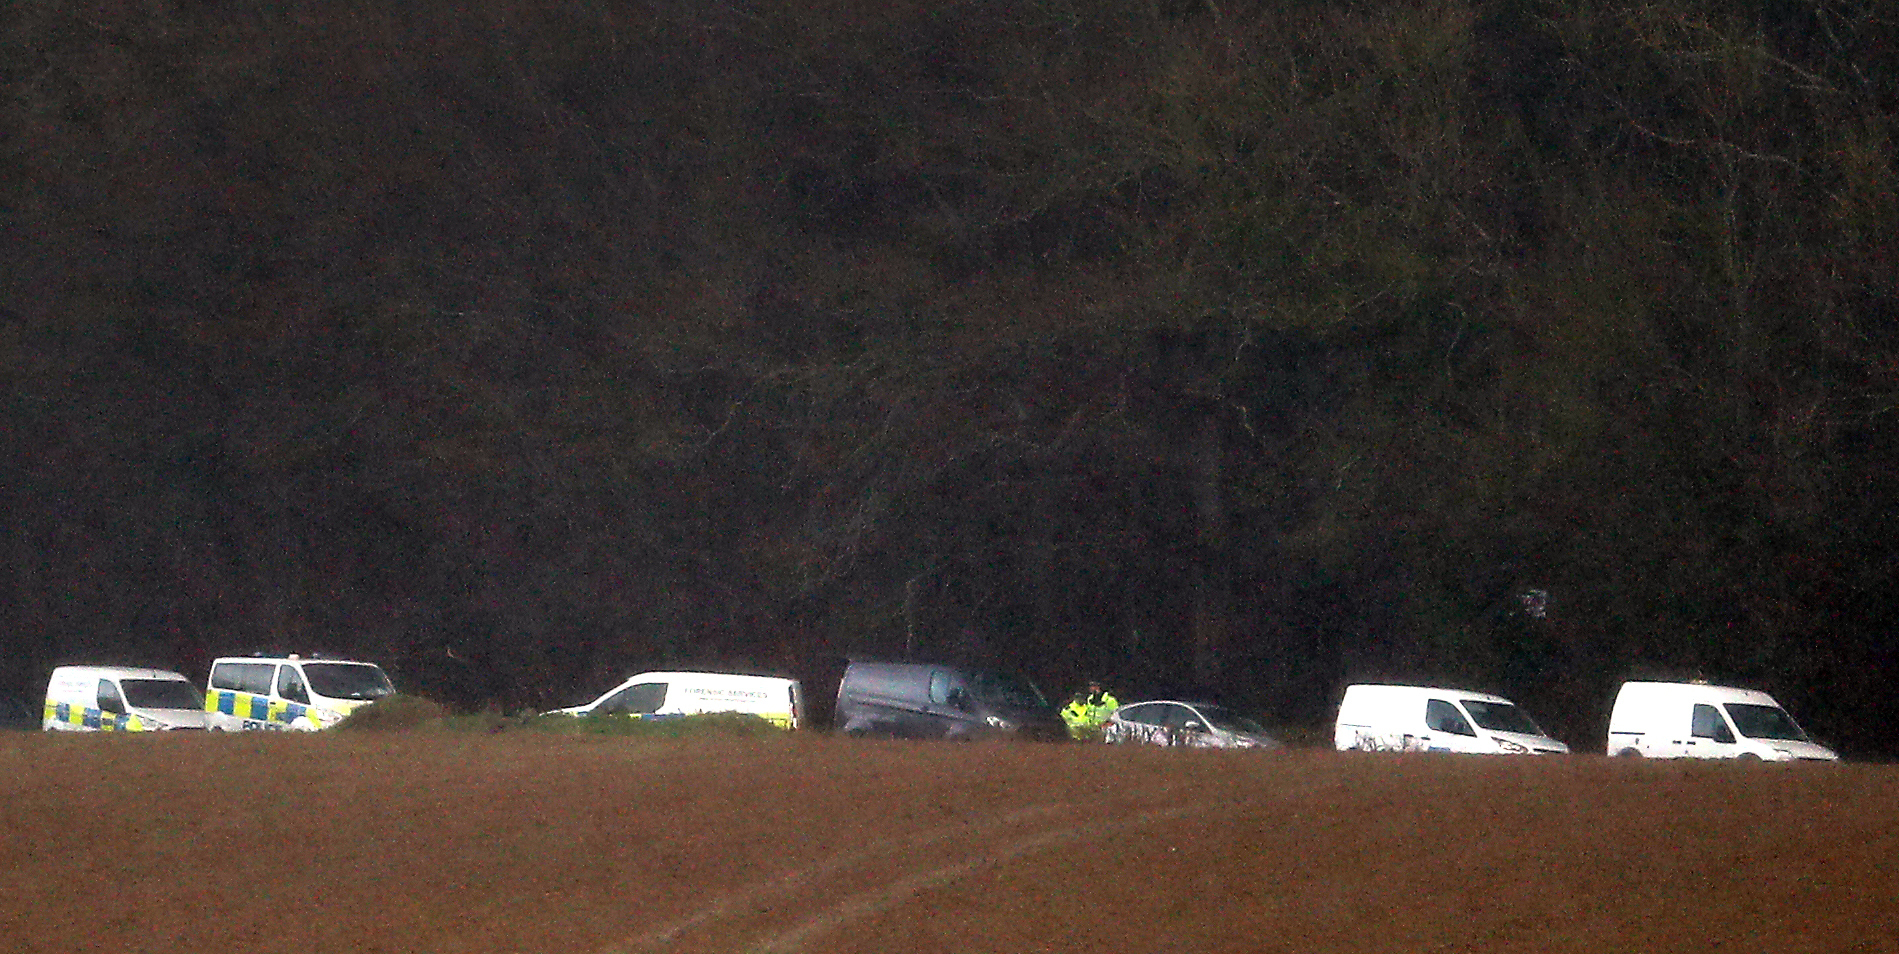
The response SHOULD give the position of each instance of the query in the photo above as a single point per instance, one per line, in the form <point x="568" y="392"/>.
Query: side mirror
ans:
<point x="1194" y="727"/>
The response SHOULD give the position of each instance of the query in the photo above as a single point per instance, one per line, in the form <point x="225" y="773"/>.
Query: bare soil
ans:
<point x="527" y="844"/>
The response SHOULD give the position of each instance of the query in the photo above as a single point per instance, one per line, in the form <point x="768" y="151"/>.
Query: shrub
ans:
<point x="394" y="713"/>
<point x="400" y="713"/>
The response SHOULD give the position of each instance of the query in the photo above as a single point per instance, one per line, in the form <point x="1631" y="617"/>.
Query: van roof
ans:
<point x="1383" y="688"/>
<point x="676" y="673"/>
<point x="1699" y="690"/>
<point x="119" y="672"/>
<point x="959" y="666"/>
<point x="288" y="657"/>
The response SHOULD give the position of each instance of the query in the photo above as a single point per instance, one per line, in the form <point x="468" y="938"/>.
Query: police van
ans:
<point x="293" y="692"/>
<point x="120" y="699"/>
<point x="659" y="695"/>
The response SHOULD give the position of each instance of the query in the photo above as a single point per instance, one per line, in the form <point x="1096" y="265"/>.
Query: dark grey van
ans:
<point x="937" y="701"/>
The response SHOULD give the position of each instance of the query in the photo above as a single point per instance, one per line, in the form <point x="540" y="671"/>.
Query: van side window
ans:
<point x="109" y="700"/>
<point x="1441" y="716"/>
<point x="1708" y="724"/>
<point x="253" y="678"/>
<point x="642" y="699"/>
<point x="941" y="685"/>
<point x="290" y="685"/>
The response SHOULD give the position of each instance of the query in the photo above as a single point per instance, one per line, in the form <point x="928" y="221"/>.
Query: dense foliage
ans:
<point x="1240" y="348"/>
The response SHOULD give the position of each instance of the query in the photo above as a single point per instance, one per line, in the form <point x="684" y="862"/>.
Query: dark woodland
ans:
<point x="1231" y="348"/>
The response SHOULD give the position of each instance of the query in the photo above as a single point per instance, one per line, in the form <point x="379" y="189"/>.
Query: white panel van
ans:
<point x="120" y="699"/>
<point x="292" y="692"/>
<point x="658" y="695"/>
<point x="1375" y="718"/>
<point x="1673" y="720"/>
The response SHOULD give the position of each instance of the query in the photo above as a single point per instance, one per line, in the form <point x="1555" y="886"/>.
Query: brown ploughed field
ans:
<point x="532" y="844"/>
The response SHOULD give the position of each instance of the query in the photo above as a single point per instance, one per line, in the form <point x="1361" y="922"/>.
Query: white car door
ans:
<point x="1139" y="724"/>
<point x="1189" y="728"/>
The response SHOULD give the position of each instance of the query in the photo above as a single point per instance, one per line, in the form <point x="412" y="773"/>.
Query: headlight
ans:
<point x="1505" y="745"/>
<point x="997" y="722"/>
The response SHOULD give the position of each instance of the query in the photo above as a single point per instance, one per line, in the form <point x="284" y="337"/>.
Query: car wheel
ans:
<point x="1628" y="754"/>
<point x="1749" y="757"/>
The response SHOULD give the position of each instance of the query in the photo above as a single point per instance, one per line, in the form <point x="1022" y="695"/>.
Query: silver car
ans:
<point x="1199" y="725"/>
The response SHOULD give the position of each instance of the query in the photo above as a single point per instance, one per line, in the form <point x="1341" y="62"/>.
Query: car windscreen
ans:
<point x="161" y="694"/>
<point x="1764" y="722"/>
<point x="1222" y="718"/>
<point x="1006" y="689"/>
<point x="1501" y="717"/>
<point x="347" y="680"/>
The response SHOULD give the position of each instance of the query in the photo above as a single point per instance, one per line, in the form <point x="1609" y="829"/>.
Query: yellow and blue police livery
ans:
<point x="299" y="693"/>
<point x="81" y="717"/>
<point x="260" y="712"/>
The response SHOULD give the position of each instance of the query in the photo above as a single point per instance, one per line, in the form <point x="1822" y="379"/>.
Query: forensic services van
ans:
<point x="1694" y="720"/>
<point x="298" y="693"/>
<point x="1375" y="718"/>
<point x="660" y="695"/>
<point x="120" y="699"/>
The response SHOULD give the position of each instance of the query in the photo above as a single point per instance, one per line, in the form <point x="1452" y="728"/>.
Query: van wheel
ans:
<point x="1628" y="754"/>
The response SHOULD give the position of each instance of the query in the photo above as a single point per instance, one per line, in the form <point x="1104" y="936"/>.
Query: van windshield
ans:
<point x="161" y="694"/>
<point x="1008" y="690"/>
<point x="1501" y="717"/>
<point x="340" y="680"/>
<point x="1764" y="722"/>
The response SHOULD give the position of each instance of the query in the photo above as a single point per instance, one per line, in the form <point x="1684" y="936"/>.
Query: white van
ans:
<point x="120" y="699"/>
<point x="1694" y="720"/>
<point x="1424" y="719"/>
<point x="288" y="692"/>
<point x="658" y="695"/>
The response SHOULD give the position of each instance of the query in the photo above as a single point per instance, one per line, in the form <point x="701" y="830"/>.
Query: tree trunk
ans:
<point x="1211" y="599"/>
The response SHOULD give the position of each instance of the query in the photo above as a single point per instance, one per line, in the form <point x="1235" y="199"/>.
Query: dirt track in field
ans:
<point x="528" y="844"/>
